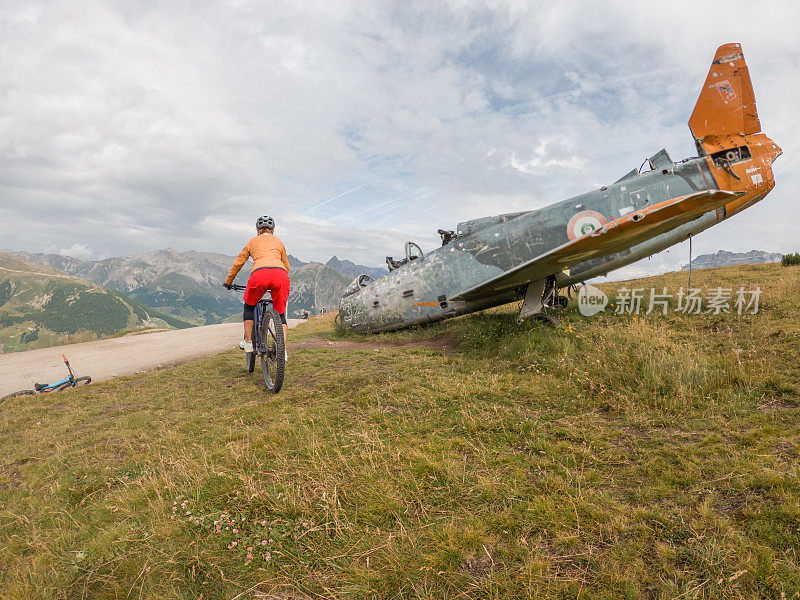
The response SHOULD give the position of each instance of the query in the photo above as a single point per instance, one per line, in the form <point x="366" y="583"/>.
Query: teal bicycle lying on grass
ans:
<point x="44" y="388"/>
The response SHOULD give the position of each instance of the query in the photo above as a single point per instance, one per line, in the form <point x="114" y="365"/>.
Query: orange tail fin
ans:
<point x="727" y="105"/>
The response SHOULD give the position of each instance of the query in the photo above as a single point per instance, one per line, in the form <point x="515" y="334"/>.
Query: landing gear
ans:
<point x="541" y="296"/>
<point x="532" y="303"/>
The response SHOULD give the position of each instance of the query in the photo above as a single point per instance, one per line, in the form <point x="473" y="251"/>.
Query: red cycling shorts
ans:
<point x="274" y="279"/>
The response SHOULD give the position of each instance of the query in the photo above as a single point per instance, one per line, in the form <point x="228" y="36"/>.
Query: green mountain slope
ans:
<point x="41" y="306"/>
<point x="188" y="299"/>
<point x="614" y="457"/>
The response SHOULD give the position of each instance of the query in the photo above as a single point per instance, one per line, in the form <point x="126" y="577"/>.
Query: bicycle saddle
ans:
<point x="39" y="386"/>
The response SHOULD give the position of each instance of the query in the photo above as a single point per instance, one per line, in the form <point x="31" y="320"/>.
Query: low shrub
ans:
<point x="791" y="259"/>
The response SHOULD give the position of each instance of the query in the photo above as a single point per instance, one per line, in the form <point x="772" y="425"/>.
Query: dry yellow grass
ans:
<point x="609" y="458"/>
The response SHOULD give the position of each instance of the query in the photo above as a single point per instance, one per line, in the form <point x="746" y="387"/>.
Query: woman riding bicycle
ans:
<point x="270" y="272"/>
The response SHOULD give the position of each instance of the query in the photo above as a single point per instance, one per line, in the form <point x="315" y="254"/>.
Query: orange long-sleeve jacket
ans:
<point x="266" y="251"/>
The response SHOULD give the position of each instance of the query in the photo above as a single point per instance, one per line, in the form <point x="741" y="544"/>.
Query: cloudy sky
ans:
<point x="133" y="126"/>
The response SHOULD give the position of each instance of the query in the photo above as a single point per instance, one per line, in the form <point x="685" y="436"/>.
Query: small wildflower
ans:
<point x="264" y="542"/>
<point x="264" y="523"/>
<point x="267" y="556"/>
<point x="235" y="530"/>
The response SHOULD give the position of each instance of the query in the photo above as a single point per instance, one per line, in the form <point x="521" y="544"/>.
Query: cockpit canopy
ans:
<point x="359" y="282"/>
<point x="413" y="252"/>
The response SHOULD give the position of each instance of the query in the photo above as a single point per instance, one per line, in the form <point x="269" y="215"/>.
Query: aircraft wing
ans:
<point x="614" y="237"/>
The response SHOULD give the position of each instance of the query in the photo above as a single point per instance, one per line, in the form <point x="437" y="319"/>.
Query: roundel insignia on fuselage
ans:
<point x="585" y="222"/>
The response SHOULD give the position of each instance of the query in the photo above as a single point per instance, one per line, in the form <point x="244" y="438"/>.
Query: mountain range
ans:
<point x="43" y="306"/>
<point x="188" y="285"/>
<point x="723" y="258"/>
<point x="351" y="270"/>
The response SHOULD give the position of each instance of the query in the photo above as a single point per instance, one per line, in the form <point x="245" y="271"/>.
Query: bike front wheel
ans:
<point x="273" y="358"/>
<point x="250" y="361"/>
<point x="78" y="381"/>
<point x="17" y="394"/>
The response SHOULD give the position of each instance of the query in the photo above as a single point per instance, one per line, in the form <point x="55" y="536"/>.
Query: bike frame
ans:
<point x="262" y="306"/>
<point x="71" y="379"/>
<point x="50" y="387"/>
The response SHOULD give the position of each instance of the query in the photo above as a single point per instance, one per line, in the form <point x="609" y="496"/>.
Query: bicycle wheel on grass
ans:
<point x="16" y="394"/>
<point x="250" y="361"/>
<point x="273" y="359"/>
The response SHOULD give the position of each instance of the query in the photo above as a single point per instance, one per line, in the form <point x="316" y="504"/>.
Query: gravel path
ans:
<point x="126" y="355"/>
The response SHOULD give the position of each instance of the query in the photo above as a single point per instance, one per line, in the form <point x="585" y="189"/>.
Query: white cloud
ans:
<point x="81" y="251"/>
<point x="142" y="126"/>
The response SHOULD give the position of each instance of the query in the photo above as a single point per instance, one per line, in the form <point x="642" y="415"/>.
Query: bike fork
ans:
<point x="71" y="375"/>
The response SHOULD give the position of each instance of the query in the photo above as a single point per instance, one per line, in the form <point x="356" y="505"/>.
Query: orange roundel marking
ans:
<point x="585" y="222"/>
<point x="426" y="304"/>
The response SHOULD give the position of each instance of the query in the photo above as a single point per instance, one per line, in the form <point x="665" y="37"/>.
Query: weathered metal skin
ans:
<point x="432" y="288"/>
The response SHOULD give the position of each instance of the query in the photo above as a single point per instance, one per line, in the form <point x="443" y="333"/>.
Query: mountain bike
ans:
<point x="58" y="386"/>
<point x="268" y="343"/>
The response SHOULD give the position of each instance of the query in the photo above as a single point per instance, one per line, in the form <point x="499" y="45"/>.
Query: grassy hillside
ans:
<point x="611" y="457"/>
<point x="41" y="306"/>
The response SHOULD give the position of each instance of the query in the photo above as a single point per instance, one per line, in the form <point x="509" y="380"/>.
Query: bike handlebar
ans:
<point x="238" y="288"/>
<point x="71" y="375"/>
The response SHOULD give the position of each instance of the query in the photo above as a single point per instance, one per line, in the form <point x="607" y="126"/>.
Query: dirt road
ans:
<point x="104" y="359"/>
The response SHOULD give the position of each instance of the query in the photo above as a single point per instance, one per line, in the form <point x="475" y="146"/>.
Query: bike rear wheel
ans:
<point x="17" y="394"/>
<point x="250" y="361"/>
<point x="273" y="358"/>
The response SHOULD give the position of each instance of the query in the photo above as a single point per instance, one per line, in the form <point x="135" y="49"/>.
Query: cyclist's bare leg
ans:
<point x="248" y="331"/>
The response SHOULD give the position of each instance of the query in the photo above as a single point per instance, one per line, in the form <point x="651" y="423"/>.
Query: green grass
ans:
<point x="607" y="458"/>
